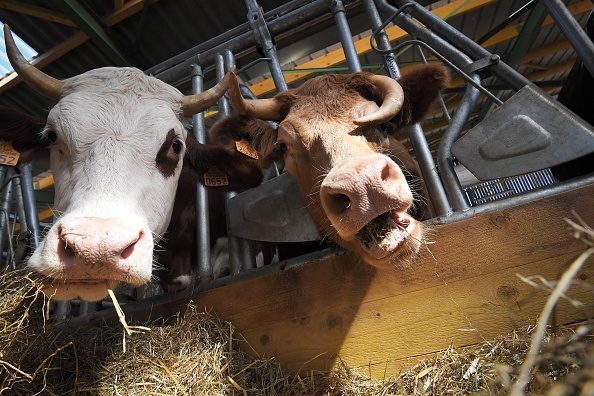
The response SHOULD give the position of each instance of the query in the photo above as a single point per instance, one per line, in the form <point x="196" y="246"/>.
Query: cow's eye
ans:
<point x="177" y="146"/>
<point x="377" y="134"/>
<point x="52" y="136"/>
<point x="283" y="148"/>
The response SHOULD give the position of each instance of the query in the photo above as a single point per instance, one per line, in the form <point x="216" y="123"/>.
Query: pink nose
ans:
<point x="99" y="248"/>
<point x="361" y="189"/>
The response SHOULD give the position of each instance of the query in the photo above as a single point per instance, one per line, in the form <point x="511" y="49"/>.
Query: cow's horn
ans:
<point x="194" y="104"/>
<point x="38" y="80"/>
<point x="265" y="109"/>
<point x="393" y="99"/>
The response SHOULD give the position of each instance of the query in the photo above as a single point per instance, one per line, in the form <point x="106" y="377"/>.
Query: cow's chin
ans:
<point x="89" y="290"/>
<point x="390" y="239"/>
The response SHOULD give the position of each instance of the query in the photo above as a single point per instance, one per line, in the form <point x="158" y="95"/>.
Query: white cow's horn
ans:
<point x="393" y="99"/>
<point x="265" y="109"/>
<point x="194" y="104"/>
<point x="38" y="80"/>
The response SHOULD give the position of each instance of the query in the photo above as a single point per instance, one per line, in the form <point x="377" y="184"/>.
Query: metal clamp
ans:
<point x="481" y="64"/>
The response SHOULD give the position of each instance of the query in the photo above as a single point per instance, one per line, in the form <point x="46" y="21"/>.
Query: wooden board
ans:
<point x="463" y="289"/>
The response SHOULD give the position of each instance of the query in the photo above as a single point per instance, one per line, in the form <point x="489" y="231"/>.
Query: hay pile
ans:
<point x="199" y="355"/>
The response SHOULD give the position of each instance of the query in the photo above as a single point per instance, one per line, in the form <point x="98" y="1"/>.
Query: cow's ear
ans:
<point x="247" y="137"/>
<point x="234" y="172"/>
<point x="23" y="131"/>
<point x="421" y="86"/>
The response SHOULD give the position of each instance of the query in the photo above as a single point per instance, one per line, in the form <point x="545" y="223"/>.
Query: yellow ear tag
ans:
<point x="8" y="155"/>
<point x="244" y="147"/>
<point x="215" y="178"/>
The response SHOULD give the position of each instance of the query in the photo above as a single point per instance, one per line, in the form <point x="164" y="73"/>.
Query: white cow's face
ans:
<point x="117" y="147"/>
<point x="116" y="159"/>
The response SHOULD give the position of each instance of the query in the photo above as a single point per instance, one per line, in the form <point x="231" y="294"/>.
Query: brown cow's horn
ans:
<point x="38" y="80"/>
<point x="265" y="109"/>
<point x="194" y="104"/>
<point x="392" y="103"/>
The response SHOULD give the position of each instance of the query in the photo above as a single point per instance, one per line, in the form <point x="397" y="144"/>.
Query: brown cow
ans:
<point x="362" y="188"/>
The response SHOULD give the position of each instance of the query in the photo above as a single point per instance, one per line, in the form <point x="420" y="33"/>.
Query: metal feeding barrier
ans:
<point x="20" y="231"/>
<point x="522" y="135"/>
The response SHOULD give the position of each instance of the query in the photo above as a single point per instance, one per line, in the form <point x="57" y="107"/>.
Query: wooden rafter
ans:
<point x="130" y="8"/>
<point x="35" y="11"/>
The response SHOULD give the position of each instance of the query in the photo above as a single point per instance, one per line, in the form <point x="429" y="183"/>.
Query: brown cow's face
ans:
<point x="335" y="141"/>
<point x="356" y="194"/>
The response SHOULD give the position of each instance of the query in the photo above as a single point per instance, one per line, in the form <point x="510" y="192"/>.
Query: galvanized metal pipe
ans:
<point x="30" y="203"/>
<point x="3" y="176"/>
<point x="247" y="259"/>
<point x="444" y="38"/>
<point x="429" y="170"/>
<point x="444" y="153"/>
<point x="264" y="39"/>
<point x="233" y="242"/>
<point x="383" y="42"/>
<point x="204" y="270"/>
<point x="574" y="32"/>
<point x="346" y="38"/>
<point x="5" y="207"/>
<point x="21" y="249"/>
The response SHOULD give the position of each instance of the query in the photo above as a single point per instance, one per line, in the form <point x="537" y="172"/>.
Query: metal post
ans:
<point x="30" y="204"/>
<point x="346" y="38"/>
<point x="264" y="40"/>
<point x="5" y="209"/>
<point x="383" y="42"/>
<point x="202" y="209"/>
<point x="224" y="110"/>
<point x="246" y="256"/>
<point x="574" y="32"/>
<point x="444" y="154"/>
<point x="20" y="250"/>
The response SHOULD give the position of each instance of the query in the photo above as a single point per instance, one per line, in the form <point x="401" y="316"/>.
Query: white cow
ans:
<point x="117" y="145"/>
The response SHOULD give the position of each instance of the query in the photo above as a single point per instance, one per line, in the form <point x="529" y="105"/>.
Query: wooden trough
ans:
<point x="464" y="289"/>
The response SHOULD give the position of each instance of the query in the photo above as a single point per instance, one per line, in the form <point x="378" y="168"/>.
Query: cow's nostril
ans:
<point x="129" y="250"/>
<point x="386" y="173"/>
<point x="65" y="251"/>
<point x="338" y="203"/>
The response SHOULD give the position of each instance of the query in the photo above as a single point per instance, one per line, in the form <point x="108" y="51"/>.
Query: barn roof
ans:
<point x="73" y="37"/>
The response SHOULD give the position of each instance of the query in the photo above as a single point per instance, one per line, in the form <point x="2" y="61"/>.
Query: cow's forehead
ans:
<point x="123" y="102"/>
<point x="326" y="106"/>
<point x="124" y="80"/>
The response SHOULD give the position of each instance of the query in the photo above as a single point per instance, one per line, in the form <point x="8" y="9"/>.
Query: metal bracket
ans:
<point x="258" y="25"/>
<point x="481" y="64"/>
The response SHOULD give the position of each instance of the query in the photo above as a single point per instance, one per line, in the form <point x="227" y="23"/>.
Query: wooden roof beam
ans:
<point x="37" y="12"/>
<point x="130" y="8"/>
